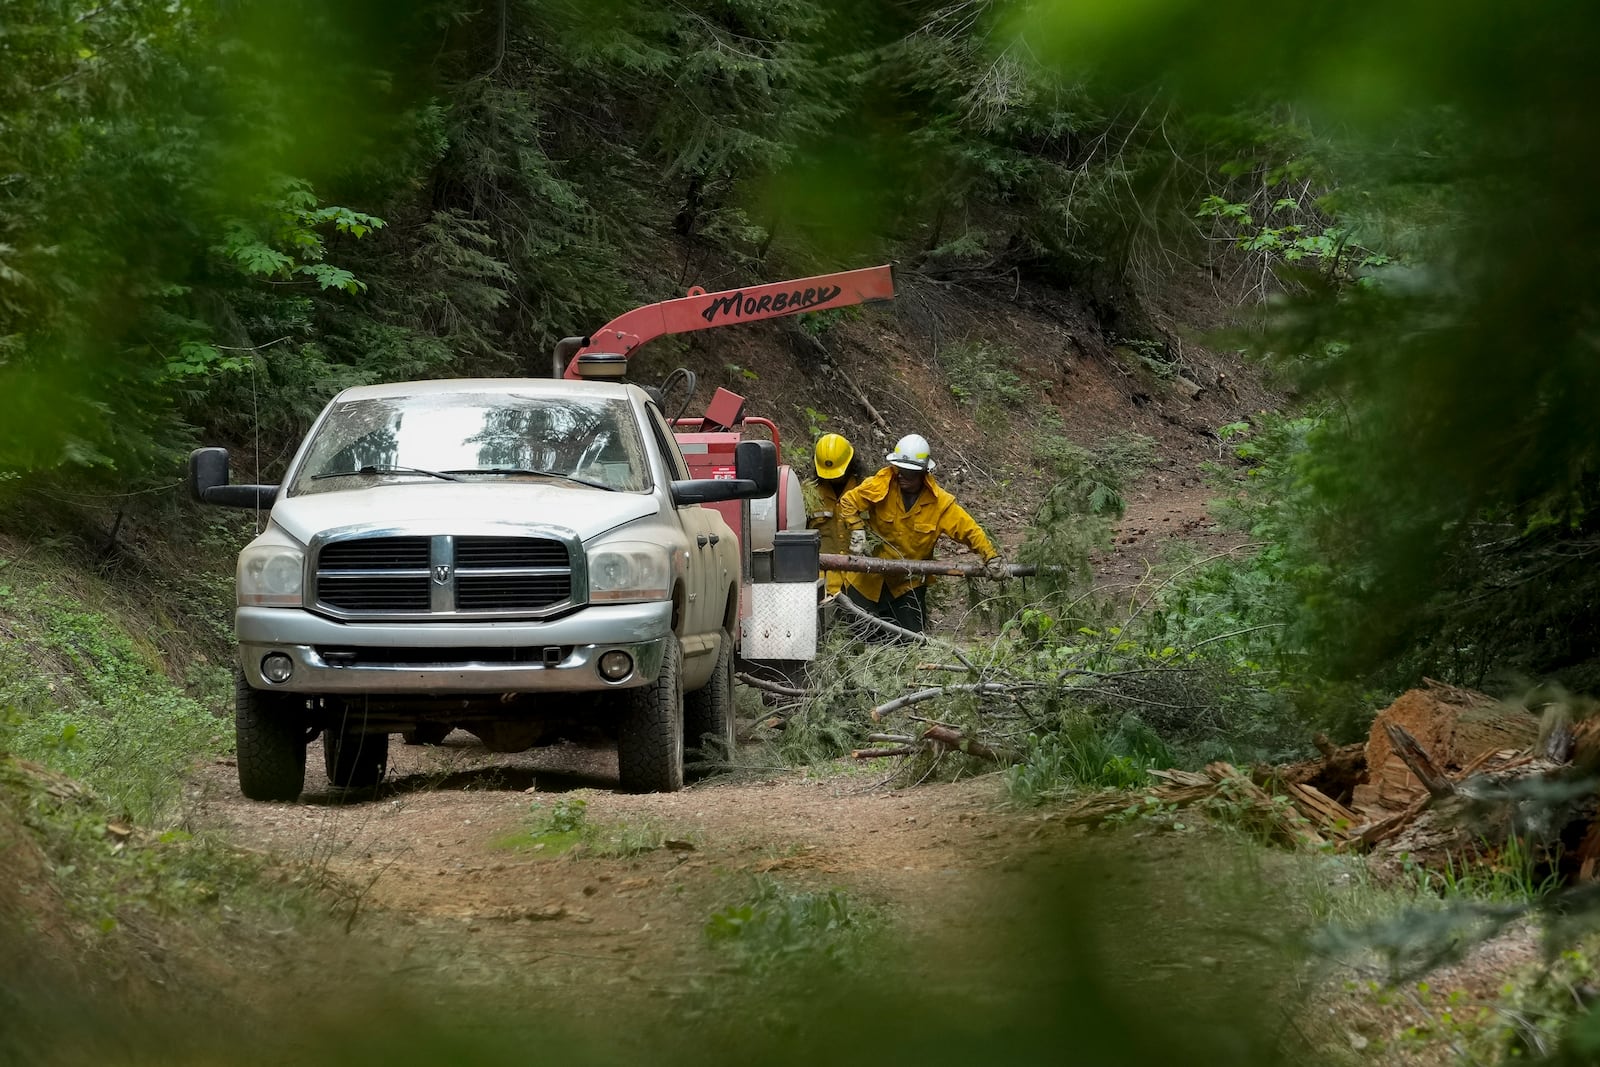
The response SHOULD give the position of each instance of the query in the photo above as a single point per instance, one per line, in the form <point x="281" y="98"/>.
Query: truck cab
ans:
<point x="496" y="555"/>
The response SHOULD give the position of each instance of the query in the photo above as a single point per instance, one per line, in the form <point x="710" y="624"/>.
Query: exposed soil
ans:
<point x="428" y="853"/>
<point x="983" y="904"/>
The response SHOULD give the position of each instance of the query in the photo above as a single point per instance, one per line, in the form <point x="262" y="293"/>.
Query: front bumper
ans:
<point x="435" y="658"/>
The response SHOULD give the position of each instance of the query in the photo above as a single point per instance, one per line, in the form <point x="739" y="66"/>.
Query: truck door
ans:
<point x="703" y="612"/>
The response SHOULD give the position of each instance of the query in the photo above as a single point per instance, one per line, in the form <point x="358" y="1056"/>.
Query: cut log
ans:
<point x="1453" y="725"/>
<point x="1441" y="833"/>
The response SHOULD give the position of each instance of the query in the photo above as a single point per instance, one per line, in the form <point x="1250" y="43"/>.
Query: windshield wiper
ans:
<point x="371" y="470"/>
<point x="590" y="482"/>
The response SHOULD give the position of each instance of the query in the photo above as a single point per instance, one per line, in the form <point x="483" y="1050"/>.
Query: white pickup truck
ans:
<point x="497" y="555"/>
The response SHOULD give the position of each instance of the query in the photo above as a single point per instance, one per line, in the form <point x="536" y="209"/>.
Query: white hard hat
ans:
<point x="912" y="453"/>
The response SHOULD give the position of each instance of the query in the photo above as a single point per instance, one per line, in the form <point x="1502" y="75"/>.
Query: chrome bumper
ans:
<point x="637" y="629"/>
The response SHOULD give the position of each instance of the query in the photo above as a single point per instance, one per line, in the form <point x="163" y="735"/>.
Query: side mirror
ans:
<point x="757" y="461"/>
<point x="755" y="464"/>
<point x="208" y="482"/>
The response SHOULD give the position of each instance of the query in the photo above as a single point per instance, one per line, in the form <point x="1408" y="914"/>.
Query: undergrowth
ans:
<point x="80" y="693"/>
<point x="111" y="875"/>
<point x="1083" y="755"/>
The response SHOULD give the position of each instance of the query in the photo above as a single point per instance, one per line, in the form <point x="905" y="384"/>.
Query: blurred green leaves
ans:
<point x="135" y="139"/>
<point x="1457" y="143"/>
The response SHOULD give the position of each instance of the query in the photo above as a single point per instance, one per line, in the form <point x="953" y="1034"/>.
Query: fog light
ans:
<point x="276" y="667"/>
<point x="615" y="665"/>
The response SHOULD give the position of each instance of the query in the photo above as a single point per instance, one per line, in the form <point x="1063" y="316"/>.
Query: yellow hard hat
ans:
<point x="833" y="456"/>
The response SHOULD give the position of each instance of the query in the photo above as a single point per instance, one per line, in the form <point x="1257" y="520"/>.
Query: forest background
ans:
<point x="214" y="215"/>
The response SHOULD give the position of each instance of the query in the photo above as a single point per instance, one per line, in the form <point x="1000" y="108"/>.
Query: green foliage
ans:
<point x="99" y="709"/>
<point x="1516" y="874"/>
<point x="777" y="927"/>
<point x="1328" y="248"/>
<point x="147" y="225"/>
<point x="1082" y="755"/>
<point x="1451" y="501"/>
<point x="114" y="878"/>
<point x="565" y="827"/>
<point x="1074" y="518"/>
<point x="981" y="378"/>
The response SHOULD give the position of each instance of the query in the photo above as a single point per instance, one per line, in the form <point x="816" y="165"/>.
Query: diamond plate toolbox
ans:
<point x="782" y="623"/>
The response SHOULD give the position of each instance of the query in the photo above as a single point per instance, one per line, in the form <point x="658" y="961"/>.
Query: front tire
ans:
<point x="650" y="739"/>
<point x="271" y="733"/>
<point x="354" y="760"/>
<point x="708" y="713"/>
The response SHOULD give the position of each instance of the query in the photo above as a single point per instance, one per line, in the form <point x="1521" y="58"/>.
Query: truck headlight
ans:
<point x="622" y="573"/>
<point x="271" y="576"/>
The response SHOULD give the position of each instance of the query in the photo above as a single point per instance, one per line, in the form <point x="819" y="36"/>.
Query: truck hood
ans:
<point x="436" y="507"/>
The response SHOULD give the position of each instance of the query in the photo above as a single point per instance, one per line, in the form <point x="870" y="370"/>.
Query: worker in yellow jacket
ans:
<point x="839" y="470"/>
<point x="909" y="511"/>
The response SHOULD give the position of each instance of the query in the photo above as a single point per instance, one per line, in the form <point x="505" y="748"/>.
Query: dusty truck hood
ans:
<point x="436" y="507"/>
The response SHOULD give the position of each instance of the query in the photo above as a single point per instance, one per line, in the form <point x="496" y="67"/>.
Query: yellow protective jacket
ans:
<point x="908" y="533"/>
<point x="823" y="515"/>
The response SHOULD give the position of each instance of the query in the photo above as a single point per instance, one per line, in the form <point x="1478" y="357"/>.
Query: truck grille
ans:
<point x="376" y="576"/>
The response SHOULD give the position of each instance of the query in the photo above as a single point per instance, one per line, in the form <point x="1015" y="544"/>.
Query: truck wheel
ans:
<point x="708" y="712"/>
<point x="650" y="740"/>
<point x="355" y="760"/>
<point x="271" y="731"/>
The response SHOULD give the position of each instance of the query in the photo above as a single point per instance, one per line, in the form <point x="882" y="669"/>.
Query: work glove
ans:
<point x="858" y="542"/>
<point x="995" y="568"/>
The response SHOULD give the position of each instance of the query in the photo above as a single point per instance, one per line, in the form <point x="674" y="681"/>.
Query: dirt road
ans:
<point x="430" y="853"/>
<point x="957" y="881"/>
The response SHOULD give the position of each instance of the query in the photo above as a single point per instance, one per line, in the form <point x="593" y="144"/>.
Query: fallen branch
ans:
<point x="830" y="561"/>
<point x="981" y="688"/>
<point x="860" y="394"/>
<point x="900" y="631"/>
<point x="937" y="740"/>
<point x="949" y="738"/>
<point x="879" y="753"/>
<point x="771" y="687"/>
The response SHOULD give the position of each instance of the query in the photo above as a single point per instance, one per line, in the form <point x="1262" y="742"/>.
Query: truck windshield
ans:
<point x="475" y="436"/>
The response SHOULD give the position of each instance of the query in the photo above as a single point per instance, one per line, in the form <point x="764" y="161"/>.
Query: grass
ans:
<point x="981" y="378"/>
<point x="110" y="876"/>
<point x="81" y="693"/>
<point x="778" y="926"/>
<point x="1084" y="755"/>
<point x="564" y="827"/>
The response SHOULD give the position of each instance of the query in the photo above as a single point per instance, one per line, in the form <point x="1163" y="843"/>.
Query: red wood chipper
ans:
<point x="778" y="605"/>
